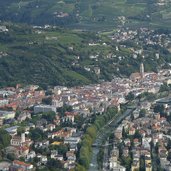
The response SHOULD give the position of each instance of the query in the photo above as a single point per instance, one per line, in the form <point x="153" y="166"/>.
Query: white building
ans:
<point x="44" y="108"/>
<point x="3" y="102"/>
<point x="114" y="165"/>
<point x="57" y="103"/>
<point x="7" y="114"/>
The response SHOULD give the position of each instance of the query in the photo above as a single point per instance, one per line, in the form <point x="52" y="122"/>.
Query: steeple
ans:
<point x="142" y="70"/>
<point x="23" y="139"/>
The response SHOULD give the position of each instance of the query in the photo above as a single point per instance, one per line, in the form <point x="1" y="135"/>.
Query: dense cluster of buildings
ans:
<point x="16" y="104"/>
<point x="142" y="135"/>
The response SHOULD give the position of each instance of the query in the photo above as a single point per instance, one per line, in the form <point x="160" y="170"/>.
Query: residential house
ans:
<point x="20" y="140"/>
<point x="21" y="166"/>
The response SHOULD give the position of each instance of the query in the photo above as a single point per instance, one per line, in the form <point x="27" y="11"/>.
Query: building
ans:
<point x="114" y="165"/>
<point x="31" y="155"/>
<point x="135" y="165"/>
<point x="71" y="156"/>
<point x="4" y="166"/>
<point x="3" y="102"/>
<point x="72" y="140"/>
<point x="57" y="103"/>
<point x="148" y="167"/>
<point x="7" y="114"/>
<point x="20" y="166"/>
<point x="44" y="108"/>
<point x="1" y="122"/>
<point x="3" y="29"/>
<point x="23" y="116"/>
<point x="54" y="153"/>
<point x="20" y="140"/>
<point x="142" y="70"/>
<point x="4" y="93"/>
<point x="12" y="130"/>
<point x="137" y="76"/>
<point x="118" y="133"/>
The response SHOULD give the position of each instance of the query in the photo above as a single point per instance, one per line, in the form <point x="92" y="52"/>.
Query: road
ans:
<point x="105" y="158"/>
<point x="104" y="134"/>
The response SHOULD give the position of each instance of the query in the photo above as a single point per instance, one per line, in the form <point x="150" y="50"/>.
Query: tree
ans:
<point x="49" y="116"/>
<point x="11" y="156"/>
<point x="142" y="163"/>
<point x="100" y="157"/>
<point x="124" y="134"/>
<point x="126" y="161"/>
<point x="91" y="132"/>
<point x="20" y="130"/>
<point x="164" y="87"/>
<point x="147" y="96"/>
<point x="1" y="154"/>
<point x="79" y="168"/>
<point x="4" y="138"/>
<point x="137" y="134"/>
<point x="169" y="156"/>
<point x="142" y="113"/>
<point x="151" y="145"/>
<point x="37" y="134"/>
<point x="169" y="117"/>
<point x="132" y="116"/>
<point x="47" y="101"/>
<point x="17" y="113"/>
<point x="168" y="144"/>
<point x="62" y="149"/>
<point x="150" y="96"/>
<point x="130" y="96"/>
<point x="159" y="109"/>
<point x="53" y="164"/>
<point x="64" y="109"/>
<point x="157" y="147"/>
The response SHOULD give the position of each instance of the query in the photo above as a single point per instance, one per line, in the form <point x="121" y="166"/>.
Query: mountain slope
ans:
<point x="89" y="14"/>
<point x="54" y="56"/>
<point x="42" y="56"/>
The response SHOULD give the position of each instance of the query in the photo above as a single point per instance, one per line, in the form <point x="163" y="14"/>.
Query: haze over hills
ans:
<point x="89" y="14"/>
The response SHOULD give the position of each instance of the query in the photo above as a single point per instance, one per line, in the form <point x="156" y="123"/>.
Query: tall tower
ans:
<point x="142" y="70"/>
<point x="23" y="139"/>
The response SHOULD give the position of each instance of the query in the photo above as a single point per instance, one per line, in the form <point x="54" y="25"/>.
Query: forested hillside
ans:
<point x="55" y="56"/>
<point x="43" y="56"/>
<point x="73" y="42"/>
<point x="89" y="14"/>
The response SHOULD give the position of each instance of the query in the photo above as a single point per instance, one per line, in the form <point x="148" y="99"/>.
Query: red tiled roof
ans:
<point x="17" y="162"/>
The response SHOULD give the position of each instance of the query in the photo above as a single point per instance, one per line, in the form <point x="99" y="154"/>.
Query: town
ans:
<point x="85" y="85"/>
<point x="44" y="128"/>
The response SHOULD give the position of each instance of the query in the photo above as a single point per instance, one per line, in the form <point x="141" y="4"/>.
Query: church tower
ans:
<point x="142" y="70"/>
<point x="23" y="138"/>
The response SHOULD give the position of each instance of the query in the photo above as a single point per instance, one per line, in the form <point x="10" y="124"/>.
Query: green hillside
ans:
<point x="50" y="56"/>
<point x="55" y="56"/>
<point x="42" y="56"/>
<point x="70" y="55"/>
<point x="89" y="14"/>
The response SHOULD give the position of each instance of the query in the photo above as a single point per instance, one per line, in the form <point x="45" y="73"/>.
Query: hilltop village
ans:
<point x="43" y="128"/>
